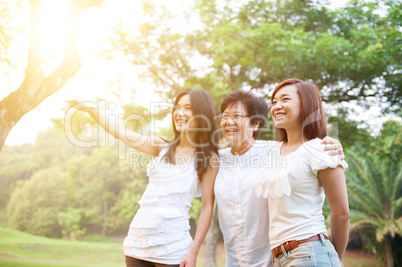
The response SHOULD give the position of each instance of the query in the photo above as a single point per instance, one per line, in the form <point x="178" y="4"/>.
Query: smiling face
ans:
<point x="238" y="131"/>
<point x="286" y="107"/>
<point x="183" y="114"/>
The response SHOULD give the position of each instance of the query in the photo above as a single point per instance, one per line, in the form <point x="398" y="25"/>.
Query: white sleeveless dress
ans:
<point x="159" y="232"/>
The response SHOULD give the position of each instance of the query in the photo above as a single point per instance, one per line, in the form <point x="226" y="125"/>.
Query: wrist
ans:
<point x="194" y="250"/>
<point x="88" y="107"/>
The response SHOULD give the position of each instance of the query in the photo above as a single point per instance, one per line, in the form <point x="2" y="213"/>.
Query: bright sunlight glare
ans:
<point x="54" y="24"/>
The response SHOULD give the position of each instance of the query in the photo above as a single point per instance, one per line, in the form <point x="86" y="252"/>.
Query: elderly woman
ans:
<point x="243" y="217"/>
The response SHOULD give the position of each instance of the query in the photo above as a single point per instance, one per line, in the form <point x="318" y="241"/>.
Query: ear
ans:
<point x="255" y="126"/>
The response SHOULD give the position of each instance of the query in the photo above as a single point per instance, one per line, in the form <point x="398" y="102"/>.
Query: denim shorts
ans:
<point x="315" y="253"/>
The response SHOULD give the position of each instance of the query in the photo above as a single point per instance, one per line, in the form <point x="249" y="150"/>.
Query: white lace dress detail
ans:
<point x="161" y="225"/>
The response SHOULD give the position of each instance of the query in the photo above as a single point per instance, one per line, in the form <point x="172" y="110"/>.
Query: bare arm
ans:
<point x="207" y="207"/>
<point x="147" y="144"/>
<point x="333" y="181"/>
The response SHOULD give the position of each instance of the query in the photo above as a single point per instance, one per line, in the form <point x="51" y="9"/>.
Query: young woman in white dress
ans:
<point x="300" y="178"/>
<point x="159" y="233"/>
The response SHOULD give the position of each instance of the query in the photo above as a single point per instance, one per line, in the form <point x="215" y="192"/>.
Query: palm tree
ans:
<point x="374" y="188"/>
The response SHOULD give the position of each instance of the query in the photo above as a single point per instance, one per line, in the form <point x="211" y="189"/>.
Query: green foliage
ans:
<point x="136" y="117"/>
<point x="70" y="223"/>
<point x="14" y="167"/>
<point x="195" y="210"/>
<point x="46" y="154"/>
<point x="353" y="53"/>
<point x="388" y="144"/>
<point x="21" y="162"/>
<point x="97" y="190"/>
<point x="35" y="204"/>
<point x="126" y="205"/>
<point x="374" y="193"/>
<point x="93" y="183"/>
<point x="351" y="133"/>
<point x="375" y="190"/>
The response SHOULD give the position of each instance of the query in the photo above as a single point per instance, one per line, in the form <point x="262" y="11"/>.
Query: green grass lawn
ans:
<point x="22" y="249"/>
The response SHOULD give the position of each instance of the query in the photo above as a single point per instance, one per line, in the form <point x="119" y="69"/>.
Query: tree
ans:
<point x="94" y="182"/>
<point x="350" y="132"/>
<point x="374" y="187"/>
<point x="35" y="87"/>
<point x="70" y="223"/>
<point x="352" y="53"/>
<point x="389" y="142"/>
<point x="35" y="204"/>
<point x="14" y="167"/>
<point x="134" y="182"/>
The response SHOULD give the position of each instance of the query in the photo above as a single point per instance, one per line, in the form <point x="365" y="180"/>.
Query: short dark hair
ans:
<point x="311" y="109"/>
<point x="256" y="107"/>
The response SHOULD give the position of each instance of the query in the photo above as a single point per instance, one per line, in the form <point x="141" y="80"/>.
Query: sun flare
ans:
<point x="53" y="27"/>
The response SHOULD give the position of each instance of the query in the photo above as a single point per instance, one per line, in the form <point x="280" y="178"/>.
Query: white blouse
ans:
<point x="294" y="192"/>
<point x="159" y="231"/>
<point x="243" y="217"/>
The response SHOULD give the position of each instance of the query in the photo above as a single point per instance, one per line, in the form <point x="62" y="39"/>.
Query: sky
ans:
<point x="97" y="76"/>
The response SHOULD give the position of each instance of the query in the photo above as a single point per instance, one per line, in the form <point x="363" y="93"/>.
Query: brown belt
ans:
<point x="294" y="243"/>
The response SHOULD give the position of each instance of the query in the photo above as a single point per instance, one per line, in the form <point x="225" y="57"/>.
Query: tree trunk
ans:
<point x="387" y="251"/>
<point x="104" y="217"/>
<point x="211" y="239"/>
<point x="35" y="87"/>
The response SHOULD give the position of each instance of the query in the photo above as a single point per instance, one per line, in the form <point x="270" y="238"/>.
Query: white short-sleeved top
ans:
<point x="294" y="192"/>
<point x="243" y="217"/>
<point x="159" y="232"/>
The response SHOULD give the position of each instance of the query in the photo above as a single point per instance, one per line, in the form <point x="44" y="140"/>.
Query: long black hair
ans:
<point x="206" y="139"/>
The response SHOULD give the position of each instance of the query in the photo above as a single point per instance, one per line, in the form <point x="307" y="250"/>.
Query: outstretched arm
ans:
<point x="333" y="181"/>
<point x="207" y="207"/>
<point x="147" y="144"/>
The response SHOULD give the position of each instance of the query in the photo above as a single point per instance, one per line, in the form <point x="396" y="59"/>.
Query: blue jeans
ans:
<point x="319" y="253"/>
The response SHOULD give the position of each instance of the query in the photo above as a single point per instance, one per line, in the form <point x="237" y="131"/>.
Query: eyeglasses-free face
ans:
<point x="286" y="108"/>
<point x="183" y="114"/>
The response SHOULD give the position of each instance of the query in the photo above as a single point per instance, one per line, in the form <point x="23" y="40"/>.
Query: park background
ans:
<point x="68" y="191"/>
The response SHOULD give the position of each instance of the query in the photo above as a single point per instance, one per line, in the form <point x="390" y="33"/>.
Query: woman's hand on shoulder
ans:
<point x="334" y="146"/>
